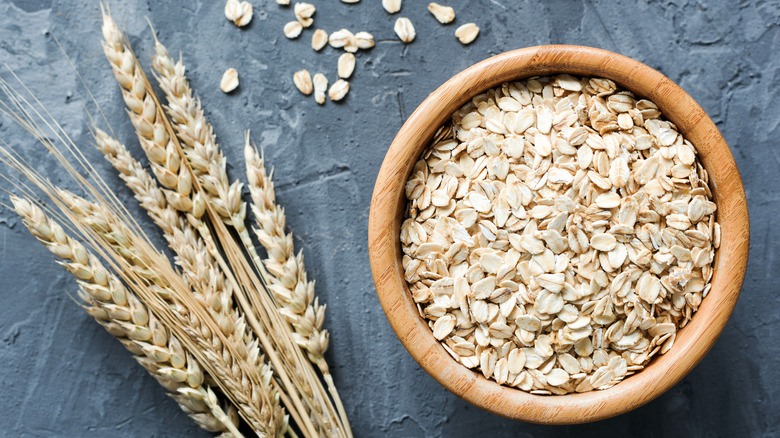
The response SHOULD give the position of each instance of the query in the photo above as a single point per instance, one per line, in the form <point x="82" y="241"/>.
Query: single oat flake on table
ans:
<point x="391" y="6"/>
<point x="338" y="90"/>
<point x="229" y="81"/>
<point x="346" y="65"/>
<point x="467" y="33"/>
<point x="443" y="14"/>
<point x="292" y="29"/>
<point x="319" y="39"/>
<point x="320" y="83"/>
<point x="558" y="233"/>
<point x="405" y="30"/>
<point x="302" y="81"/>
<point x="240" y="13"/>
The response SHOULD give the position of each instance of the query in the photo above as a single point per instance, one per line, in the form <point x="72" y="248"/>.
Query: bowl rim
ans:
<point x="692" y="342"/>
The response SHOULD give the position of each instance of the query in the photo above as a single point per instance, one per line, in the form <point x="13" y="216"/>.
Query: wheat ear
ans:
<point x="200" y="146"/>
<point x="288" y="280"/>
<point x="147" y="118"/>
<point x="288" y="277"/>
<point x="161" y="288"/>
<point x="125" y="317"/>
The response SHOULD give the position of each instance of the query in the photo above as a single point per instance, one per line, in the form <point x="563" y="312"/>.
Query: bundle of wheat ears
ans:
<point x="235" y="339"/>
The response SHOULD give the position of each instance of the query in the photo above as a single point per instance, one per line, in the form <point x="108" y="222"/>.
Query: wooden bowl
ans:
<point x="693" y="341"/>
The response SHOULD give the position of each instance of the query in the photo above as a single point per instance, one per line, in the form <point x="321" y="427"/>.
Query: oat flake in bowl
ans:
<point x="558" y="233"/>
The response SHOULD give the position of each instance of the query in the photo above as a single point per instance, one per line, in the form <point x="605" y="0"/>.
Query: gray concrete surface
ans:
<point x="61" y="375"/>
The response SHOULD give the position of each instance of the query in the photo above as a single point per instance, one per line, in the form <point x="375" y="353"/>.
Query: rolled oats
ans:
<point x="229" y="80"/>
<point x="292" y="29"/>
<point x="303" y="13"/>
<point x="404" y="29"/>
<point x="391" y="6"/>
<point x="558" y="233"/>
<point x="338" y="90"/>
<point x="444" y="14"/>
<point x="351" y="42"/>
<point x="319" y="39"/>
<point x="346" y="65"/>
<point x="302" y="81"/>
<point x="320" y="83"/>
<point x="240" y="13"/>
<point x="467" y="33"/>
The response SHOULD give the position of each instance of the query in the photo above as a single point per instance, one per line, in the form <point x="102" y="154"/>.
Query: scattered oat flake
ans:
<point x="467" y="33"/>
<point x="240" y="13"/>
<point x="346" y="65"/>
<point x="229" y="80"/>
<point x="304" y="10"/>
<point x="319" y="39"/>
<point x="341" y="38"/>
<point x="338" y="90"/>
<point x="350" y="1"/>
<point x="391" y="6"/>
<point x="404" y="29"/>
<point x="364" y="40"/>
<point x="320" y="83"/>
<point x="283" y="2"/>
<point x="293" y="29"/>
<point x="302" y="81"/>
<point x="444" y="14"/>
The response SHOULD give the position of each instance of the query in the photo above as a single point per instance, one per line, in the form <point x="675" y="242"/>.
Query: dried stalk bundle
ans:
<point x="224" y="200"/>
<point x="233" y="338"/>
<point x="199" y="268"/>
<point x="208" y="163"/>
<point x="239" y="376"/>
<point x="121" y="313"/>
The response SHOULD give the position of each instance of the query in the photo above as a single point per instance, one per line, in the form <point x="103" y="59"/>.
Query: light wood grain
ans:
<point x="692" y="342"/>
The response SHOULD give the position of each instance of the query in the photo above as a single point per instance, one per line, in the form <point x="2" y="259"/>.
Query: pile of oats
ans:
<point x="558" y="233"/>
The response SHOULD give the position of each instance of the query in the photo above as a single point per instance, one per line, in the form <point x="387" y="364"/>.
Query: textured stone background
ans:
<point x="62" y="375"/>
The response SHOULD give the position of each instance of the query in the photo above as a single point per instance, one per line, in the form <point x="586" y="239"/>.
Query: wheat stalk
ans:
<point x="208" y="164"/>
<point x="160" y="286"/>
<point x="198" y="142"/>
<point x="288" y="280"/>
<point x="126" y="318"/>
<point x="125" y="66"/>
<point x="288" y="277"/>
<point x="199" y="267"/>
